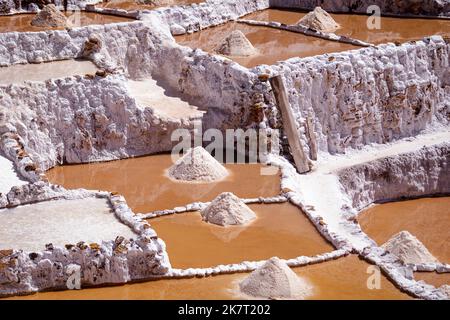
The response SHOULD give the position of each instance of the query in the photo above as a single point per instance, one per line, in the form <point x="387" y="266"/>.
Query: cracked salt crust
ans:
<point x="60" y="222"/>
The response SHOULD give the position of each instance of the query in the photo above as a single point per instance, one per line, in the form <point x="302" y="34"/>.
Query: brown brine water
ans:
<point x="280" y="230"/>
<point x="22" y="22"/>
<point x="273" y="45"/>
<point x="355" y="26"/>
<point x="433" y="278"/>
<point x="344" y="278"/>
<point x="427" y="219"/>
<point x="145" y="185"/>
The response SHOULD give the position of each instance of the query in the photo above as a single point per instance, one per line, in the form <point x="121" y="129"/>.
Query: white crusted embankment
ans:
<point x="371" y="95"/>
<point x="339" y="186"/>
<point x="113" y="261"/>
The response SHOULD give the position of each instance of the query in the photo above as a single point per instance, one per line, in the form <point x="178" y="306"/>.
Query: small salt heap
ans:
<point x="236" y="45"/>
<point x="197" y="165"/>
<point x="50" y="16"/>
<point x="409" y="249"/>
<point x="275" y="280"/>
<point x="227" y="209"/>
<point x="445" y="289"/>
<point x="319" y="20"/>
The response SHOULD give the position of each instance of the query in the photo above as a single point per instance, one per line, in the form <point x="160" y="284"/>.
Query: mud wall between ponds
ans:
<point x="420" y="173"/>
<point x="372" y="95"/>
<point x="425" y="7"/>
<point x="79" y="119"/>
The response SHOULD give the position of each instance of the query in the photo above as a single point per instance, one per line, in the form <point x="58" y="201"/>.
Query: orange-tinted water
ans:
<point x="22" y="22"/>
<point x="355" y="26"/>
<point x="146" y="187"/>
<point x="273" y="45"/>
<point x="344" y="278"/>
<point x="433" y="278"/>
<point x="427" y="219"/>
<point x="280" y="230"/>
<point x="133" y="5"/>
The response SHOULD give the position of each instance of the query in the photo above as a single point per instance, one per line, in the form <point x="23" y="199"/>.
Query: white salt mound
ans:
<point x="50" y="16"/>
<point x="319" y="20"/>
<point x="197" y="165"/>
<point x="236" y="45"/>
<point x="275" y="280"/>
<point x="408" y="249"/>
<point x="226" y="210"/>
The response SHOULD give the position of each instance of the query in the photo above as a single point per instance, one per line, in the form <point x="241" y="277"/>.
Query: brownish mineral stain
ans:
<point x="433" y="278"/>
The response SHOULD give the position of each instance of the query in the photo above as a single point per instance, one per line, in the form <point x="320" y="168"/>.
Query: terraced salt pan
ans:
<point x="144" y="182"/>
<point x="287" y="44"/>
<point x="355" y="26"/>
<point x="60" y="222"/>
<point x="427" y="219"/>
<point x="44" y="71"/>
<point x="22" y="22"/>
<point x="149" y="94"/>
<point x="323" y="180"/>
<point x="8" y="176"/>
<point x="344" y="278"/>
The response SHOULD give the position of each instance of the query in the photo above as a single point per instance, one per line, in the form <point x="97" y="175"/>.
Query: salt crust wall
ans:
<point x="408" y="175"/>
<point x="371" y="95"/>
<point x="417" y="7"/>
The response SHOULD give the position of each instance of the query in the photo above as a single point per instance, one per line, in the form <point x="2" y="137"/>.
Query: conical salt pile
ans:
<point x="408" y="249"/>
<point x="275" y="280"/>
<point x="319" y="20"/>
<point x="50" y="16"/>
<point x="227" y="209"/>
<point x="237" y="45"/>
<point x="197" y="165"/>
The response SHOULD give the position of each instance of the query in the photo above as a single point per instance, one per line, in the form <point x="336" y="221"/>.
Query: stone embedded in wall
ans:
<point x="319" y="20"/>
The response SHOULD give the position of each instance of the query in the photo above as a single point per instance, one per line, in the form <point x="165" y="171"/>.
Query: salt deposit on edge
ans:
<point x="227" y="209"/>
<point x="197" y="165"/>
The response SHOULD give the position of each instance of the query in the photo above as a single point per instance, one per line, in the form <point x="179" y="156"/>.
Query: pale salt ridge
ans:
<point x="197" y="165"/>
<point x="227" y="209"/>
<point x="275" y="280"/>
<point x="408" y="249"/>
